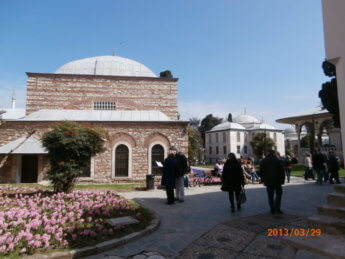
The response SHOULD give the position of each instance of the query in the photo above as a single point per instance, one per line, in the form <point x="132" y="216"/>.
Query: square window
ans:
<point x="102" y="105"/>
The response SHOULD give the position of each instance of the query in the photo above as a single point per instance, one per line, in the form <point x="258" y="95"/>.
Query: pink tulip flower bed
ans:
<point x="41" y="221"/>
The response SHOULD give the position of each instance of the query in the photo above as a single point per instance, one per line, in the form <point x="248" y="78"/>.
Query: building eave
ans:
<point x="133" y="78"/>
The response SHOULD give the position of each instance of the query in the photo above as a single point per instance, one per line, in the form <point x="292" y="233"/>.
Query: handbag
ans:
<point x="243" y="197"/>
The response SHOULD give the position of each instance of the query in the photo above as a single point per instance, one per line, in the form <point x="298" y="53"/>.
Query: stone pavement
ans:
<point x="204" y="208"/>
<point x="245" y="238"/>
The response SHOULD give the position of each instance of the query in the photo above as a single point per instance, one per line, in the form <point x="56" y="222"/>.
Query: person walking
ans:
<point x="273" y="177"/>
<point x="318" y="166"/>
<point x="169" y="175"/>
<point x="308" y="167"/>
<point x="233" y="180"/>
<point x="333" y="167"/>
<point x="287" y="167"/>
<point x="182" y="169"/>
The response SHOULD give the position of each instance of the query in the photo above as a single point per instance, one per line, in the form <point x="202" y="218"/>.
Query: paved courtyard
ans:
<point x="206" y="212"/>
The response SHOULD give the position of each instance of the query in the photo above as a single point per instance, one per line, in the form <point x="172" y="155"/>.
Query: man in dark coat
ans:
<point x="169" y="175"/>
<point x="233" y="180"/>
<point x="182" y="169"/>
<point x="333" y="167"/>
<point x="318" y="165"/>
<point x="273" y="177"/>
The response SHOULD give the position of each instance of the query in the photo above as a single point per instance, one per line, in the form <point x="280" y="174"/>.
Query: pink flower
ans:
<point x="22" y="251"/>
<point x="2" y="249"/>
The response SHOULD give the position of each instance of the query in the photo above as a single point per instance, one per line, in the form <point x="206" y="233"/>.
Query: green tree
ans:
<point x="208" y="123"/>
<point x="70" y="147"/>
<point x="195" y="145"/>
<point x="329" y="93"/>
<point x="261" y="143"/>
<point x="194" y="123"/>
<point x="166" y="73"/>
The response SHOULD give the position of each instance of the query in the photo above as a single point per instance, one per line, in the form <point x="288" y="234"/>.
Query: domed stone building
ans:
<point x="235" y="137"/>
<point x="136" y="108"/>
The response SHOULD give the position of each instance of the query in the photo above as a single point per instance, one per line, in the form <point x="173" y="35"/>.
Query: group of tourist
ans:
<point x="233" y="178"/>
<point x="248" y="170"/>
<point x="325" y="167"/>
<point x="272" y="176"/>
<point x="174" y="168"/>
<point x="236" y="172"/>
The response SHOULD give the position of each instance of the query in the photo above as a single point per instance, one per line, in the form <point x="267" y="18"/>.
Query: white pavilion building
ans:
<point x="235" y="137"/>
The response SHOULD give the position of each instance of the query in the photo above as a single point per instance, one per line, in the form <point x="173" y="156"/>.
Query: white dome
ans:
<point x="106" y="65"/>
<point x="228" y="125"/>
<point x="290" y="130"/>
<point x="244" y="118"/>
<point x="263" y="126"/>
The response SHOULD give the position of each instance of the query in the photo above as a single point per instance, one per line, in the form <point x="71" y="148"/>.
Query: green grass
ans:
<point x="205" y="166"/>
<point x="116" y="187"/>
<point x="108" y="186"/>
<point x="298" y="170"/>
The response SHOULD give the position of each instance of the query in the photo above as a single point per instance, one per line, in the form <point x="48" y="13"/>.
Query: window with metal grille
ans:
<point x="210" y="150"/>
<point x="157" y="154"/>
<point x="217" y="150"/>
<point x="101" y="105"/>
<point x="217" y="137"/>
<point x="121" y="161"/>
<point x="238" y="149"/>
<point x="224" y="137"/>
<point x="238" y="137"/>
<point x="224" y="150"/>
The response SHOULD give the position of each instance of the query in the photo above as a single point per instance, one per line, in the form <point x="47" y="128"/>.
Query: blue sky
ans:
<point x="264" y="55"/>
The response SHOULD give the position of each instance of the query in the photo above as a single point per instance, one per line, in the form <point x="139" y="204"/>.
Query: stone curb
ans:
<point x="101" y="247"/>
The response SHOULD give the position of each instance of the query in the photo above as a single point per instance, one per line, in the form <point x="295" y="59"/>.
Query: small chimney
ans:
<point x="230" y="117"/>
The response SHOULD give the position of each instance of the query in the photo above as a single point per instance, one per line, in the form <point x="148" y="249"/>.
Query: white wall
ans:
<point x="334" y="30"/>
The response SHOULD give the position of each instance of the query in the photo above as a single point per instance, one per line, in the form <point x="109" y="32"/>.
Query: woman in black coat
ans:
<point x="233" y="180"/>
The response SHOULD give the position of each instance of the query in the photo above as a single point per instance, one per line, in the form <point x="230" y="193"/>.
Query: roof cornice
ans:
<point x="133" y="78"/>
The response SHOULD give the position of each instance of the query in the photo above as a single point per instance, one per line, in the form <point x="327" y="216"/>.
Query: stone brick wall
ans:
<point x="78" y="92"/>
<point x="8" y="171"/>
<point x="139" y="136"/>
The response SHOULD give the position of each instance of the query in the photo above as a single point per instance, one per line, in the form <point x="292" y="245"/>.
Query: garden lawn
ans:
<point x="298" y="170"/>
<point x="113" y="187"/>
<point x="34" y="220"/>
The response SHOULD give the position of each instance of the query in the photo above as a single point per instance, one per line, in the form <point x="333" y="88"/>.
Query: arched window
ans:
<point x="121" y="161"/>
<point x="87" y="170"/>
<point x="157" y="154"/>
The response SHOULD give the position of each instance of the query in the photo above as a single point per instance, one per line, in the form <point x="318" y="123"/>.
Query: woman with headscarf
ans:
<point x="233" y="180"/>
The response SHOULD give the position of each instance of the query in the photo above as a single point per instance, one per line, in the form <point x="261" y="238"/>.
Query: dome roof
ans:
<point x="228" y="125"/>
<point x="106" y="65"/>
<point x="263" y="126"/>
<point x="244" y="118"/>
<point x="290" y="130"/>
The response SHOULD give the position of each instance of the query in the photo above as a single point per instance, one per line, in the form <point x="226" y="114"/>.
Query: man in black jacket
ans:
<point x="273" y="177"/>
<point x="333" y="167"/>
<point x="318" y="165"/>
<point x="182" y="168"/>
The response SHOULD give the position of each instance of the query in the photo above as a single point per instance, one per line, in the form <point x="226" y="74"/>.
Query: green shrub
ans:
<point x="70" y="147"/>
